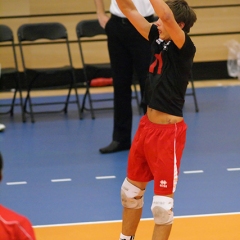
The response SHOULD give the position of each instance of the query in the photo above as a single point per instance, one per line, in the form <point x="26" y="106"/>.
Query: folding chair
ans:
<point x="90" y="31"/>
<point x="193" y="93"/>
<point x="6" y="36"/>
<point x="56" y="35"/>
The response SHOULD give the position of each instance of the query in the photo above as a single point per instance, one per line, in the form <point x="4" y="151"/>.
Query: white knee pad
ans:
<point x="131" y="196"/>
<point x="162" y="210"/>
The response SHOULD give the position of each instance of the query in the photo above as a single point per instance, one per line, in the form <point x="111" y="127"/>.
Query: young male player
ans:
<point x="158" y="145"/>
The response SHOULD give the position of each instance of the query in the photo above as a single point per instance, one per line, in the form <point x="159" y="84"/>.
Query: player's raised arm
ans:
<point x="173" y="27"/>
<point x="138" y="21"/>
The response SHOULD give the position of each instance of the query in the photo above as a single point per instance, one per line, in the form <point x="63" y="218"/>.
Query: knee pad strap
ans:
<point x="162" y="210"/>
<point x="131" y="196"/>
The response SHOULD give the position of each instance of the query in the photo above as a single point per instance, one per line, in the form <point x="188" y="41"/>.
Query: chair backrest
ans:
<point x="5" y="33"/>
<point x="46" y="63"/>
<point x="35" y="31"/>
<point x="89" y="28"/>
<point x="85" y="30"/>
<point x="50" y="31"/>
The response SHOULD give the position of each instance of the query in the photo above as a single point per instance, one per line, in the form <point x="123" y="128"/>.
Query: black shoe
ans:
<point x="115" y="146"/>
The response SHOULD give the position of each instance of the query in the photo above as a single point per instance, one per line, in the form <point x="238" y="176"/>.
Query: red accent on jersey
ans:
<point x="157" y="62"/>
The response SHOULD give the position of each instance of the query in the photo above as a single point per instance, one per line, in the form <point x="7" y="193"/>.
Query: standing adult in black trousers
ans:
<point x="129" y="54"/>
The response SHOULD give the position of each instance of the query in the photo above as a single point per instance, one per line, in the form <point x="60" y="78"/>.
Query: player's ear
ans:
<point x="181" y="25"/>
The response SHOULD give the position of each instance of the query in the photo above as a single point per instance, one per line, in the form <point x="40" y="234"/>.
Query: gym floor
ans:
<point x="55" y="175"/>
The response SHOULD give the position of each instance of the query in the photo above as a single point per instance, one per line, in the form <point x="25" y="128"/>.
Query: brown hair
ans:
<point x="183" y="13"/>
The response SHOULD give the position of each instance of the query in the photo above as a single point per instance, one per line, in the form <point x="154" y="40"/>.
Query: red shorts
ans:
<point x="156" y="154"/>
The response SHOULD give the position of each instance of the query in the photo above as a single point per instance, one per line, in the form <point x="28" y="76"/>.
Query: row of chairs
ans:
<point x="53" y="32"/>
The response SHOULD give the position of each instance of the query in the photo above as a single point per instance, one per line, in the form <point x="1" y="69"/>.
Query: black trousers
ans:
<point x="129" y="54"/>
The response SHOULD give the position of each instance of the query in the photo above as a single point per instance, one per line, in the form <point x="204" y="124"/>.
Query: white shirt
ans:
<point x="143" y="6"/>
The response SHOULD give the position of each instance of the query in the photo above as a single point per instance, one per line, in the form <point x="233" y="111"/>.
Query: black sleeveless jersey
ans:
<point x="169" y="73"/>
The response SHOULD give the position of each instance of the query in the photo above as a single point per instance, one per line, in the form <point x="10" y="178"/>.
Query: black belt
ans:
<point x="126" y="21"/>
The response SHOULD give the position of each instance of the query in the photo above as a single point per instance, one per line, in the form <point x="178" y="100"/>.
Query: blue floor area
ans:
<point x="62" y="147"/>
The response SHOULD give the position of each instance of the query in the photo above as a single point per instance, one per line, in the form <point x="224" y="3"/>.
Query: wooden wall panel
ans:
<point x="25" y="7"/>
<point x="14" y="7"/>
<point x="210" y="20"/>
<point x="195" y="3"/>
<point x="213" y="20"/>
<point x="212" y="48"/>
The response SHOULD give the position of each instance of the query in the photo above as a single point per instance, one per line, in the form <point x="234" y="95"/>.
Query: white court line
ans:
<point x="16" y="183"/>
<point x="105" y="177"/>
<point x="142" y="219"/>
<point x="193" y="172"/>
<point x="233" y="169"/>
<point x="61" y="180"/>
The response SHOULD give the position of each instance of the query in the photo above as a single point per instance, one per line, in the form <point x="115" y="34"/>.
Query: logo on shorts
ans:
<point x="163" y="183"/>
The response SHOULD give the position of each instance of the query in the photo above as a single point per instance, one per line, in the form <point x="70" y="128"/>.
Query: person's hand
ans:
<point x="103" y="20"/>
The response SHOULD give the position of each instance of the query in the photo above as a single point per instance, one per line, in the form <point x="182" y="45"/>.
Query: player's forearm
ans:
<point x="161" y="9"/>
<point x="126" y="6"/>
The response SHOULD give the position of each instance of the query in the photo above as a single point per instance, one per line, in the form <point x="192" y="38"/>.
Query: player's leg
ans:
<point x="133" y="187"/>
<point x="162" y="209"/>
<point x="170" y="148"/>
<point x="132" y="200"/>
